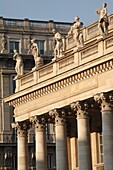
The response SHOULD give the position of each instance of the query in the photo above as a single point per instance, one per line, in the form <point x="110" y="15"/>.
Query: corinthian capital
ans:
<point x="81" y="109"/>
<point x="58" y="115"/>
<point x="22" y="127"/>
<point x="57" y="112"/>
<point x="39" y="122"/>
<point x="104" y="99"/>
<point x="37" y="119"/>
<point x="100" y="98"/>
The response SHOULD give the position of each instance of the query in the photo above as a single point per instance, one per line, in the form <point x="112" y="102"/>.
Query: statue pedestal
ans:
<point x="38" y="63"/>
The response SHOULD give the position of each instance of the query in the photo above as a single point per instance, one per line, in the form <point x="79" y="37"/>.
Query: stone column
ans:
<point x="22" y="146"/>
<point x="73" y="144"/>
<point x="61" y="140"/>
<point x="84" y="150"/>
<point x="107" y="127"/>
<point x="41" y="150"/>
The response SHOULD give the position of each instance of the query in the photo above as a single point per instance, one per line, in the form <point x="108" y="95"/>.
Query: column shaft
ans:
<point x="84" y="151"/>
<point x="106" y="102"/>
<point x="107" y="125"/>
<point x="73" y="146"/>
<point x="22" y="151"/>
<point x="61" y="145"/>
<point x="41" y="151"/>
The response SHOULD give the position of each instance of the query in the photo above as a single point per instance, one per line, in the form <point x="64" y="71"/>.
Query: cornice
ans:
<point x="65" y="82"/>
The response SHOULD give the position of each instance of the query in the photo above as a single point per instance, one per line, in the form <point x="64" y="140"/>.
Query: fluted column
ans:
<point x="41" y="149"/>
<point x="106" y="102"/>
<point x="22" y="146"/>
<point x="84" y="150"/>
<point x="61" y="140"/>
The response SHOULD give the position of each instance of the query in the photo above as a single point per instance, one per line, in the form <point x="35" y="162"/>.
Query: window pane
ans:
<point x="11" y="47"/>
<point x="100" y="148"/>
<point x="14" y="45"/>
<point x="50" y="160"/>
<point x="40" y="46"/>
<point x="17" y="46"/>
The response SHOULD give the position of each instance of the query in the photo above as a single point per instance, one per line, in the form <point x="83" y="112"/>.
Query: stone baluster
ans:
<point x="61" y="139"/>
<point x="84" y="150"/>
<point x="41" y="149"/>
<point x="105" y="100"/>
<point x="22" y="146"/>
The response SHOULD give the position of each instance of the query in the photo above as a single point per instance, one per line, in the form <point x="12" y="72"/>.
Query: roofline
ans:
<point x="33" y="20"/>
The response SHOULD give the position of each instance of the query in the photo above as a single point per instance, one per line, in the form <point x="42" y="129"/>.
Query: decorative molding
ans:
<point x="45" y="71"/>
<point x="66" y="62"/>
<point x="90" y="51"/>
<point x="109" y="43"/>
<point x="27" y="79"/>
<point x="111" y="20"/>
<point x="70" y="39"/>
<point x="101" y="68"/>
<point x="92" y="29"/>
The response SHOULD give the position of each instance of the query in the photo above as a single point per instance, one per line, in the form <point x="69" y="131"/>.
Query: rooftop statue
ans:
<point x="103" y="22"/>
<point x="19" y="63"/>
<point x="75" y="31"/>
<point x="58" y="44"/>
<point x="3" y="43"/>
<point x="35" y="52"/>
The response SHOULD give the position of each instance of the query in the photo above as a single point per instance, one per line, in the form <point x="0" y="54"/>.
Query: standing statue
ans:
<point x="35" y="52"/>
<point x="75" y="29"/>
<point x="3" y="43"/>
<point x="103" y="22"/>
<point x="19" y="63"/>
<point x="58" y="44"/>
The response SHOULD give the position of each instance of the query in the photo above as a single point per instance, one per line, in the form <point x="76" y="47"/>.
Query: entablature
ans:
<point x="79" y="73"/>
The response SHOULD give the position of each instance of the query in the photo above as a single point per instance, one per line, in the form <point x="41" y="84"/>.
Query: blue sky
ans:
<point x="57" y="10"/>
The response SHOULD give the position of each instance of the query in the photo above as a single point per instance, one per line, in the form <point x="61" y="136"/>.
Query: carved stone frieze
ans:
<point x="81" y="109"/>
<point x="105" y="100"/>
<point x="106" y="66"/>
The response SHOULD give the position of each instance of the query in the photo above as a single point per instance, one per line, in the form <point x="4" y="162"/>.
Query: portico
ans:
<point x="69" y="92"/>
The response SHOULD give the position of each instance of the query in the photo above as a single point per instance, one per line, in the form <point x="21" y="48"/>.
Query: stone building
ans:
<point x="75" y="94"/>
<point x="17" y="34"/>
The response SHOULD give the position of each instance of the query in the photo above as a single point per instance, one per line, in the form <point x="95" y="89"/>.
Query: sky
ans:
<point x="57" y="10"/>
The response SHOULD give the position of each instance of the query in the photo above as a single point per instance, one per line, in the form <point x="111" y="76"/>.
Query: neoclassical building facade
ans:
<point x="17" y="34"/>
<point x="74" y="93"/>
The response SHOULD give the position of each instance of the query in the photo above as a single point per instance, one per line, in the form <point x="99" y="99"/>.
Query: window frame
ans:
<point x="14" y="41"/>
<point x="41" y="43"/>
<point x="100" y="150"/>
